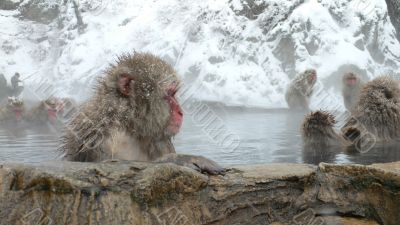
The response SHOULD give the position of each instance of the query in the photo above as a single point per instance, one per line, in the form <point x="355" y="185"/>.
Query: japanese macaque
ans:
<point x="321" y="142"/>
<point x="300" y="89"/>
<point x="318" y="130"/>
<point x="14" y="111"/>
<point x="133" y="115"/>
<point x="66" y="107"/>
<point x="378" y="110"/>
<point x="45" y="111"/>
<point x="376" y="119"/>
<point x="351" y="89"/>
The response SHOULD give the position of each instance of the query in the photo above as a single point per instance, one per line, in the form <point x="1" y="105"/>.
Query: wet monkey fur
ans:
<point x="376" y="119"/>
<point x="300" y="89"/>
<point x="133" y="115"/>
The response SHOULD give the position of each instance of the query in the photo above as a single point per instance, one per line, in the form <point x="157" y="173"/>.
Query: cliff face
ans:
<point x="136" y="193"/>
<point x="394" y="13"/>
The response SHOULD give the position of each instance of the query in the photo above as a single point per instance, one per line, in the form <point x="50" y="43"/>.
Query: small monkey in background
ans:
<point x="133" y="115"/>
<point x="376" y="119"/>
<point x="318" y="132"/>
<point x="45" y="111"/>
<point x="378" y="109"/>
<point x="66" y="107"/>
<point x="14" y="111"/>
<point x="351" y="89"/>
<point x="321" y="142"/>
<point x="300" y="89"/>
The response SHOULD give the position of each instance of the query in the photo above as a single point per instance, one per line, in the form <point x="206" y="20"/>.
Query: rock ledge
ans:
<point x="140" y="193"/>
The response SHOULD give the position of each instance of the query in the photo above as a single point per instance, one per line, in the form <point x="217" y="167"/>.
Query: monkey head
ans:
<point x="50" y="105"/>
<point x="382" y="92"/>
<point x="318" y="121"/>
<point x="60" y="105"/>
<point x="16" y="106"/>
<point x="379" y="107"/>
<point x="311" y="76"/>
<point x="351" y="79"/>
<point x="60" y="108"/>
<point x="145" y="88"/>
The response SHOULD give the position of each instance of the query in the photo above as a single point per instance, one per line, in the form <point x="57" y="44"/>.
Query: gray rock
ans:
<point x="141" y="193"/>
<point x="40" y="11"/>
<point x="394" y="10"/>
<point x="9" y="4"/>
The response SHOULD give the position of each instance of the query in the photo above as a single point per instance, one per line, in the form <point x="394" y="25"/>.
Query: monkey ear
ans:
<point x="124" y="84"/>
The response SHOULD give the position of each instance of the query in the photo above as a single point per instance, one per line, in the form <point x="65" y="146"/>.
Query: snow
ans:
<point x="232" y="58"/>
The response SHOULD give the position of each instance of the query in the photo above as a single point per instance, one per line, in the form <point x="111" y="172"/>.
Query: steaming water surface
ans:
<point x="246" y="136"/>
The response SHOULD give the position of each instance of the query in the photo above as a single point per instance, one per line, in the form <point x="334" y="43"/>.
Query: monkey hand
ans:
<point x="198" y="163"/>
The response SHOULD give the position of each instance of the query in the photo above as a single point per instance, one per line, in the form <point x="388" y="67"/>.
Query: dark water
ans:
<point x="27" y="144"/>
<point x="227" y="135"/>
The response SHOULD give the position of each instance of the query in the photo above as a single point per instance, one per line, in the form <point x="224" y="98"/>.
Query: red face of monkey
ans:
<point x="18" y="114"/>
<point x="17" y="108"/>
<point x="51" y="108"/>
<point x="311" y="76"/>
<point x="52" y="114"/>
<point x="150" y="92"/>
<point x="350" y="79"/>
<point x="176" y="119"/>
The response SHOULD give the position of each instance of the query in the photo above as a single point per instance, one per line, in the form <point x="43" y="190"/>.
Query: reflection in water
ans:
<point x="28" y="145"/>
<point x="270" y="136"/>
<point x="316" y="156"/>
<point x="266" y="136"/>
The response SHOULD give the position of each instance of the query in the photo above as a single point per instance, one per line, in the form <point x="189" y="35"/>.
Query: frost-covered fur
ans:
<point x="375" y="120"/>
<point x="317" y="130"/>
<point x="300" y="89"/>
<point x="100" y="129"/>
<point x="379" y="108"/>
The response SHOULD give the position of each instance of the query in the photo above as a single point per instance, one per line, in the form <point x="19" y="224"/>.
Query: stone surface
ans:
<point x="140" y="193"/>
<point x="393" y="10"/>
<point x="334" y="220"/>
<point x="9" y="4"/>
<point x="41" y="11"/>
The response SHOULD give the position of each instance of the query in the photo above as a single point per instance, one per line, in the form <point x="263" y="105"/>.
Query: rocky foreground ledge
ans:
<point x="165" y="194"/>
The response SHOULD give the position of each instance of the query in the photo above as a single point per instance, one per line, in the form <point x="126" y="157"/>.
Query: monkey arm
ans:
<point x="198" y="163"/>
<point x="84" y="137"/>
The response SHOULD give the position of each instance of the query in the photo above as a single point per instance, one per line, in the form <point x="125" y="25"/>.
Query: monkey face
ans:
<point x="311" y="76"/>
<point x="17" y="108"/>
<point x="350" y="79"/>
<point x="162" y="114"/>
<point x="317" y="125"/>
<point x="50" y="106"/>
<point x="52" y="114"/>
<point x="148" y="85"/>
<point x="176" y="117"/>
<point x="60" y="107"/>
<point x="18" y="114"/>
